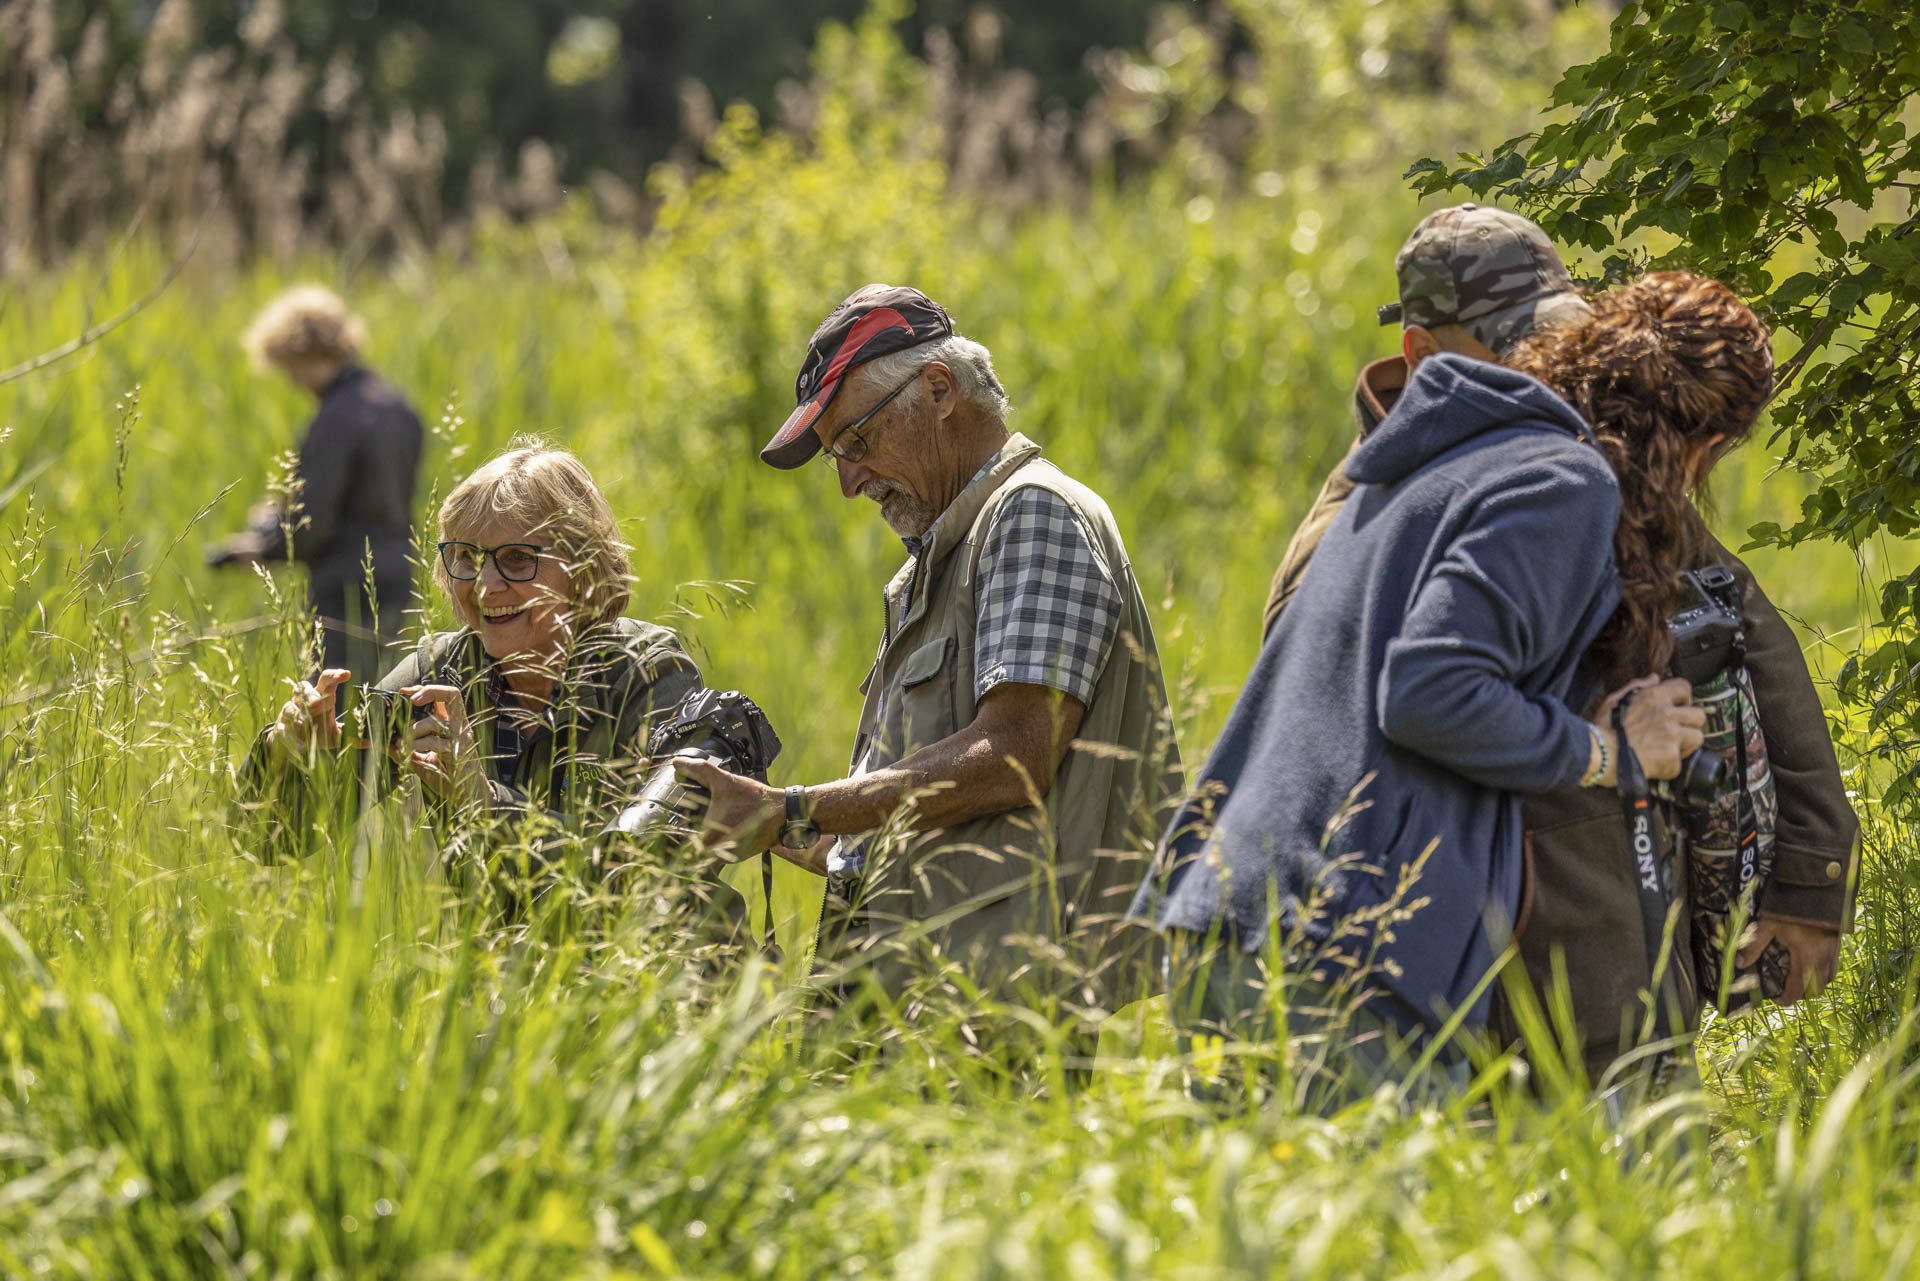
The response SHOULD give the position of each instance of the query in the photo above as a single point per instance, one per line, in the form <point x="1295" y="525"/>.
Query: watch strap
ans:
<point x="799" y="830"/>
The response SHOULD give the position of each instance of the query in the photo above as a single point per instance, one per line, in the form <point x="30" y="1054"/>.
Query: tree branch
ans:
<point x="94" y="333"/>
<point x="1783" y="376"/>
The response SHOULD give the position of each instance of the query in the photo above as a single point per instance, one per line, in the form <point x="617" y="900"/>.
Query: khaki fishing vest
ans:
<point x="1065" y="870"/>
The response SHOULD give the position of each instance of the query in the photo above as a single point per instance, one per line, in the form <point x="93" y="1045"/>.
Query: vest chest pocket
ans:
<point x="926" y="695"/>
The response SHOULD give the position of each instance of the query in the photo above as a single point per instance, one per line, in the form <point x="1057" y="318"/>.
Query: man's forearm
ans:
<point x="962" y="777"/>
<point x="1003" y="760"/>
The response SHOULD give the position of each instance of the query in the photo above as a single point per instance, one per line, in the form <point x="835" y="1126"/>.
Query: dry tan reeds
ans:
<point x="259" y="152"/>
<point x="220" y="140"/>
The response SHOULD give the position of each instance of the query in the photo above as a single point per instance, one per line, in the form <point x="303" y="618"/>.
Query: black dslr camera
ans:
<point x="1707" y="631"/>
<point x="727" y="729"/>
<point x="1709" y="638"/>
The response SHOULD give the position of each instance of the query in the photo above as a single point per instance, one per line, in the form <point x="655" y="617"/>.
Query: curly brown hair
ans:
<point x="1661" y="367"/>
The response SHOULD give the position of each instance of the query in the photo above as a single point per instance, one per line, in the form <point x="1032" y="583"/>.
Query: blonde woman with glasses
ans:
<point x="541" y="703"/>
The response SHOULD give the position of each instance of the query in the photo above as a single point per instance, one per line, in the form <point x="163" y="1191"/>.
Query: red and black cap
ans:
<point x="874" y="321"/>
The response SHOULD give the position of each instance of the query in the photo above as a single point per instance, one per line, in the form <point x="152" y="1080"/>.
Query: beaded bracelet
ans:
<point x="1598" y="772"/>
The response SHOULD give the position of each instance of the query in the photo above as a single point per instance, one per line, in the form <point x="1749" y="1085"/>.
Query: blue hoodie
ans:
<point x="1413" y="689"/>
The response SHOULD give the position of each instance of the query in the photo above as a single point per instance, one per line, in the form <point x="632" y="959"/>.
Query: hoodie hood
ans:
<point x="1449" y="400"/>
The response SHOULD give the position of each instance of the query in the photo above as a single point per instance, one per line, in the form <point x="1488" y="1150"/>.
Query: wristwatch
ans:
<point x="799" y="831"/>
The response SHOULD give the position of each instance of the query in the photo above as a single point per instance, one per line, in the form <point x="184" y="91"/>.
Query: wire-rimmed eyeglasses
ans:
<point x="850" y="445"/>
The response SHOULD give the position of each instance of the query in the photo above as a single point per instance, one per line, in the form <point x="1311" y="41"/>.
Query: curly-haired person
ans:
<point x="352" y="498"/>
<point x="1477" y="281"/>
<point x="1502" y="560"/>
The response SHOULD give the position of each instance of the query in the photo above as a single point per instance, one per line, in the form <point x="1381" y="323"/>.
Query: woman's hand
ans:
<point x="441" y="749"/>
<point x="1662" y="724"/>
<point x="307" y="720"/>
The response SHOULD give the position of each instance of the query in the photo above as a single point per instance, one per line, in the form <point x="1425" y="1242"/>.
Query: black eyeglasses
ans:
<point x="517" y="562"/>
<point x="856" y="445"/>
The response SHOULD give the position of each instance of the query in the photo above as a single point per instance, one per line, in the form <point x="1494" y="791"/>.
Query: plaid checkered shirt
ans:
<point x="1046" y="611"/>
<point x="1046" y="605"/>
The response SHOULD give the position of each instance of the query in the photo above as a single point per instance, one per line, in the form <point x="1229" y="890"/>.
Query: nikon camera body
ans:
<point x="731" y="731"/>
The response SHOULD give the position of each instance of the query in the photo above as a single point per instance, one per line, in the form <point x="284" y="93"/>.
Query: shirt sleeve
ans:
<point x="1047" y="608"/>
<point x="322" y="476"/>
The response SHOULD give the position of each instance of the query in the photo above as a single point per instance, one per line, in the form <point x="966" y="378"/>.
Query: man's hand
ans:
<point x="306" y="720"/>
<point x="813" y="858"/>
<point x="1814" y="949"/>
<point x="442" y="751"/>
<point x="744" y="817"/>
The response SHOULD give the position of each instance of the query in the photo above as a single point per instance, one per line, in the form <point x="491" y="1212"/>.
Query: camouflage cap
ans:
<point x="1490" y="271"/>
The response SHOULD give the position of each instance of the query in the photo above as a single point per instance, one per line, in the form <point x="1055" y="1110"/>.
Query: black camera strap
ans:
<point x="772" y="939"/>
<point x="1749" y="856"/>
<point x="1636" y="804"/>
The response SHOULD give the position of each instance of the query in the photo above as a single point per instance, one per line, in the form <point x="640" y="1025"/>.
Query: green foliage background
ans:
<point x="1777" y="146"/>
<point x="209" y="1068"/>
<point x="599" y="80"/>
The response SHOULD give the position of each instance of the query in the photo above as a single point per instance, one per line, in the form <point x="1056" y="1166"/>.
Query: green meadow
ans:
<point x="348" y="1067"/>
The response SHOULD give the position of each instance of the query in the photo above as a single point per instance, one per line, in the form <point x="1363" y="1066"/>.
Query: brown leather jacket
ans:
<point x="1579" y="910"/>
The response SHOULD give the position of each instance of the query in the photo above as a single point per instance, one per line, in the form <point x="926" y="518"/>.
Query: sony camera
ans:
<point x="725" y="728"/>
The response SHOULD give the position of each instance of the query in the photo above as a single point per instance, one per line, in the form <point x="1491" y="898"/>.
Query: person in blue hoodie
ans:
<point x="1356" y="831"/>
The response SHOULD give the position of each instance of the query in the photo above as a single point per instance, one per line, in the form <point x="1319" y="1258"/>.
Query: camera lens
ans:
<point x="1699" y="773"/>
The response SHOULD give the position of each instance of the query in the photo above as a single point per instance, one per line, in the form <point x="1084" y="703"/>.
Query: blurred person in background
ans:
<point x="349" y="516"/>
<point x="539" y="705"/>
<point x="1478" y="282"/>
<point x="1015" y="756"/>
<point x="1355" y="837"/>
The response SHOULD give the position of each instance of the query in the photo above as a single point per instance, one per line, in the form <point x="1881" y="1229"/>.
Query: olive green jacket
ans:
<point x="1034" y="899"/>
<point x="1579" y="911"/>
<point x="619" y="682"/>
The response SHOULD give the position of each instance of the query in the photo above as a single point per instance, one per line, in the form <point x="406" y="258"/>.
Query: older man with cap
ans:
<point x="1476" y="281"/>
<point x="1015" y="758"/>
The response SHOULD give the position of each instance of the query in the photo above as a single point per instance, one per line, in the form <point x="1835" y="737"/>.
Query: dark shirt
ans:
<point x="516" y="731"/>
<point x="355" y="476"/>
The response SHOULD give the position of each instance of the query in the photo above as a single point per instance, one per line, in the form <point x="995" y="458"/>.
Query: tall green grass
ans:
<point x="349" y="1067"/>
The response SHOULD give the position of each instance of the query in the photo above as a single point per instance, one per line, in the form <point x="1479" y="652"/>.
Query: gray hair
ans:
<point x="972" y="367"/>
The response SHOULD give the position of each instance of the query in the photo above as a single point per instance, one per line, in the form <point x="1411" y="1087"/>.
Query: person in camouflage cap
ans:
<point x="1489" y="272"/>
<point x="1476" y="281"/>
<point x="1473" y="281"/>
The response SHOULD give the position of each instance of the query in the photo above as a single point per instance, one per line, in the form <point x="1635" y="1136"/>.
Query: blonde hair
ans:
<point x="303" y="322"/>
<point x="550" y="494"/>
